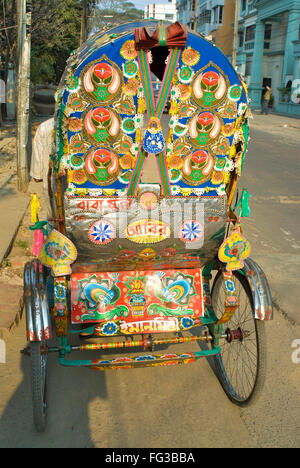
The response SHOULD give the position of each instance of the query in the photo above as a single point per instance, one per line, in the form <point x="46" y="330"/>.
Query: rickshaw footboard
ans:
<point x="147" y="360"/>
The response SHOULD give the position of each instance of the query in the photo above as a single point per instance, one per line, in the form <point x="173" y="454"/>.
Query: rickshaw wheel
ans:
<point x="39" y="384"/>
<point x="241" y="364"/>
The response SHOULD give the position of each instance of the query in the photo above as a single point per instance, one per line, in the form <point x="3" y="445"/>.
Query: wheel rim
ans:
<point x="238" y="360"/>
<point x="39" y="384"/>
<point x="43" y="380"/>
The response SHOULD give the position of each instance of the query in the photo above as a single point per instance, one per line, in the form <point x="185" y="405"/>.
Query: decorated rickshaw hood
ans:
<point x="102" y="132"/>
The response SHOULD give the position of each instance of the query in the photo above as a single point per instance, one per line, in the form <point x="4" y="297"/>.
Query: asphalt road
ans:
<point x="184" y="406"/>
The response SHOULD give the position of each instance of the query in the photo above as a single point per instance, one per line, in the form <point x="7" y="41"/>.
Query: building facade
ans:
<point x="269" y="51"/>
<point x="161" y="11"/>
<point x="214" y="18"/>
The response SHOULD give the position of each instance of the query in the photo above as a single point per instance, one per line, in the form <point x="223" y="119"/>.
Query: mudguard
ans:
<point x="38" y="323"/>
<point x="263" y="306"/>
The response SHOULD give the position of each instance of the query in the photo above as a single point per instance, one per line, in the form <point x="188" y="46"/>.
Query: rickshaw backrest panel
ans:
<point x="116" y="233"/>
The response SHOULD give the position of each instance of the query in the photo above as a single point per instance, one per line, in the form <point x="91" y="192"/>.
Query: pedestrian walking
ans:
<point x="40" y="158"/>
<point x="266" y="100"/>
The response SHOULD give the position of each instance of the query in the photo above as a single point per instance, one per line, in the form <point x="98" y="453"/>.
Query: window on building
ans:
<point x="221" y="14"/>
<point x="204" y="17"/>
<point x="217" y="14"/>
<point x="250" y="33"/>
<point x="267" y="36"/>
<point x="241" y="39"/>
<point x="249" y="37"/>
<point x="243" y="5"/>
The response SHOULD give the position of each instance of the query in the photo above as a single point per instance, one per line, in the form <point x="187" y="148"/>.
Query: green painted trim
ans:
<point x="88" y="362"/>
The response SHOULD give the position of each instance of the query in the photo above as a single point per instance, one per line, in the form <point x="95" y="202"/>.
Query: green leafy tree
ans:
<point x="55" y="32"/>
<point x="8" y="35"/>
<point x="115" y="12"/>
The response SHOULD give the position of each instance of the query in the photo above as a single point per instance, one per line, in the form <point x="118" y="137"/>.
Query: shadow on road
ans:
<point x="69" y="392"/>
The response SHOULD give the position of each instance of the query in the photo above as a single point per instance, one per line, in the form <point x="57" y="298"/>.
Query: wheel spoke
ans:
<point x="238" y="362"/>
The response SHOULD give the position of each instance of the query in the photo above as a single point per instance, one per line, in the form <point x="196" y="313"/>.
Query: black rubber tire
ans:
<point x="238" y="357"/>
<point x="39" y="385"/>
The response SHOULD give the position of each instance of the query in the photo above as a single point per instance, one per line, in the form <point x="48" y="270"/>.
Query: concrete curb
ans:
<point x="5" y="332"/>
<point x="11" y="309"/>
<point x="12" y="231"/>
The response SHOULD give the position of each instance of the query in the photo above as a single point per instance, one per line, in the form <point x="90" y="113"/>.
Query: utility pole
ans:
<point x="23" y="94"/>
<point x="195" y="15"/>
<point x="84" y="19"/>
<point x="235" y="32"/>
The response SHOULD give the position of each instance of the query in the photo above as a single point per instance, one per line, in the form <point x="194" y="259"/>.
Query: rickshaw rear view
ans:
<point x="144" y="246"/>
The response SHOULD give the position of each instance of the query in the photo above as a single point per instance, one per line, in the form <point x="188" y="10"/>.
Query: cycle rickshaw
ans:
<point x="134" y="264"/>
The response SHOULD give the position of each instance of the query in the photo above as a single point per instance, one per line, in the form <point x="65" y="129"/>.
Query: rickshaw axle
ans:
<point x="237" y="334"/>
<point x="146" y="342"/>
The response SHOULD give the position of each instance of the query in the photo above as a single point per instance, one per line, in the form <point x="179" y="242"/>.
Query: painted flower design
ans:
<point x="230" y="285"/>
<point x="184" y="91"/>
<point x="169" y="252"/>
<point x="101" y="116"/>
<point x="185" y="74"/>
<point x="125" y="255"/>
<point x="110" y="328"/>
<point x="190" y="56"/>
<point x="126" y="162"/>
<point x="235" y="92"/>
<point x="147" y="254"/>
<point x="130" y="69"/>
<point x="79" y="177"/>
<point x="175" y="161"/>
<point x="210" y="79"/>
<point x="235" y="250"/>
<point x="145" y="358"/>
<point x="128" y="50"/>
<point x="56" y="251"/>
<point x="75" y="125"/>
<point x="101" y="232"/>
<point x="205" y="120"/>
<point x="131" y="87"/>
<point x="186" y="322"/>
<point x="190" y="231"/>
<point x="60" y="291"/>
<point x="103" y="71"/>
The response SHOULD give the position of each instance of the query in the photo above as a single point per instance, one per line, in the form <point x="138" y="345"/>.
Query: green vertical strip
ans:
<point x="167" y="82"/>
<point x="147" y="82"/>
<point x="164" y="174"/>
<point x="136" y="174"/>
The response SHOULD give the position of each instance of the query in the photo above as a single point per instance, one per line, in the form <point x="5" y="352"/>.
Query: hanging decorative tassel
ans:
<point x="34" y="208"/>
<point x="243" y="204"/>
<point x="39" y="236"/>
<point x="234" y="250"/>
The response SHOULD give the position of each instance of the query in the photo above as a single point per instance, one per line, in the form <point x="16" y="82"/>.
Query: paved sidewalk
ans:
<point x="13" y="205"/>
<point x="15" y="251"/>
<point x="274" y="120"/>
